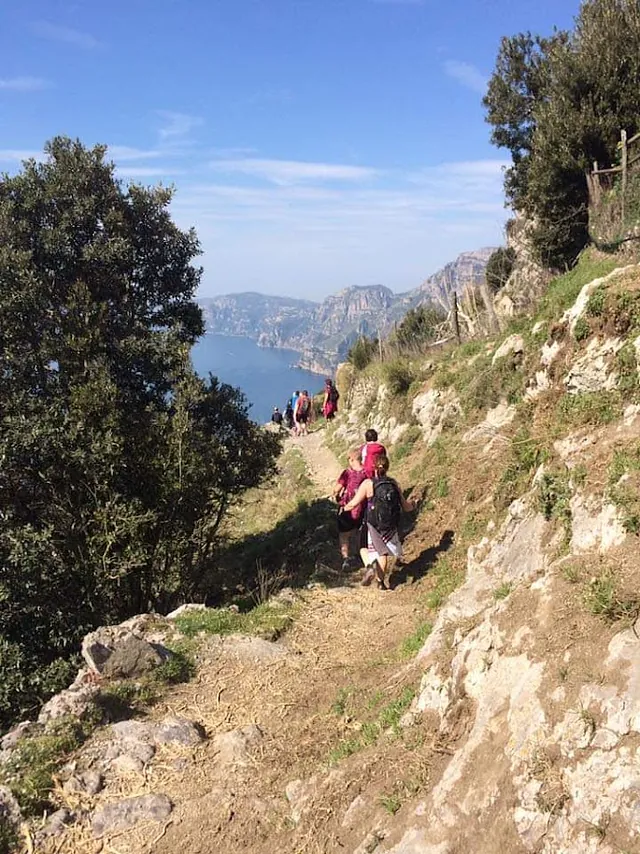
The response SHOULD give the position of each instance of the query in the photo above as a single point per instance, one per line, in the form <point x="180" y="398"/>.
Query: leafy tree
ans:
<point x="499" y="267"/>
<point x="558" y="104"/>
<point x="118" y="462"/>
<point x="419" y="327"/>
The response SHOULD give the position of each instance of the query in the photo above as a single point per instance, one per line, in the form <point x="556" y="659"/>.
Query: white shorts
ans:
<point x="378" y="545"/>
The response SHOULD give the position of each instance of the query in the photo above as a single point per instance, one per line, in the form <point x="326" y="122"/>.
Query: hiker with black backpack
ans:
<point x="302" y="413"/>
<point x="385" y="502"/>
<point x="331" y="397"/>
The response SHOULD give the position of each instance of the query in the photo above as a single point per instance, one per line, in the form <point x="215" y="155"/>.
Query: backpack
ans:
<point x="384" y="508"/>
<point x="303" y="409"/>
<point x="334" y="394"/>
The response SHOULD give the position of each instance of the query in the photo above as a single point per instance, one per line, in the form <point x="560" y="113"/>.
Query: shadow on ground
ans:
<point x="420" y="565"/>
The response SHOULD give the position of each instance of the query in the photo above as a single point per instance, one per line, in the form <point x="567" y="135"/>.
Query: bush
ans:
<point x="499" y="267"/>
<point x="398" y="376"/>
<point x="363" y="352"/>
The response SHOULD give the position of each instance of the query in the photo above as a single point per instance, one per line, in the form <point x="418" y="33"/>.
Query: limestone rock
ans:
<point x="74" y="702"/>
<point x="513" y="344"/>
<point x="117" y="651"/>
<point x="9" y="808"/>
<point x="354" y="810"/>
<point x="234" y="747"/>
<point x="86" y="782"/>
<point x="497" y="418"/>
<point x="594" y="525"/>
<point x="572" y="314"/>
<point x="435" y="409"/>
<point x="55" y="825"/>
<point x="299" y="794"/>
<point x="592" y="371"/>
<point x="178" y="731"/>
<point x="188" y="608"/>
<point x="129" y="812"/>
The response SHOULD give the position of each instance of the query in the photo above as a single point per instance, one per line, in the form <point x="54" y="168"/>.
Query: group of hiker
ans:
<point x="369" y="508"/>
<point x="299" y="410"/>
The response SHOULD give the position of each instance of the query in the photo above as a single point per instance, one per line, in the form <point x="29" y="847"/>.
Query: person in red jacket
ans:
<point x="370" y="450"/>
<point x="349" y="521"/>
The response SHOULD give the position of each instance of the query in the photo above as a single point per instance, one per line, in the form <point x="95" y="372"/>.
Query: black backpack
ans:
<point x="385" y="506"/>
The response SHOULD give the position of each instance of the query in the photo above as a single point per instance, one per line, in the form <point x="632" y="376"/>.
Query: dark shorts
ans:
<point x="347" y="523"/>
<point x="303" y="418"/>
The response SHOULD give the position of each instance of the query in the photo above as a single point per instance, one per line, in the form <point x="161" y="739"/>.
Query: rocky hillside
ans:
<point x="323" y="332"/>
<point x="489" y="701"/>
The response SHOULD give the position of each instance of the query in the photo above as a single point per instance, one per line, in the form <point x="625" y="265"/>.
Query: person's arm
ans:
<point x="408" y="505"/>
<point x="365" y="490"/>
<point x="340" y="485"/>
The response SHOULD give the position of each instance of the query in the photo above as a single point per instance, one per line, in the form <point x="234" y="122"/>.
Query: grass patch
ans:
<point x="29" y="770"/>
<point x="412" y="645"/>
<point x="391" y="803"/>
<point x="442" y="487"/>
<point x="554" y="497"/>
<point x="623" y="490"/>
<point x="589" y="408"/>
<point x="502" y="591"/>
<point x="603" y="599"/>
<point x="563" y="291"/>
<point x="265" y="620"/>
<point x="446" y="579"/>
<point x="627" y="367"/>
<point x="398" y="375"/>
<point x="525" y="455"/>
<point x="388" y="718"/>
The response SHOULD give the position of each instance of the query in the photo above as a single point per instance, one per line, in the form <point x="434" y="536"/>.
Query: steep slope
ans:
<point x="490" y="701"/>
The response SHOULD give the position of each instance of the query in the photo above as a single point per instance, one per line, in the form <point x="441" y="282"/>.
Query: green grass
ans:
<point x="589" y="409"/>
<point x="603" y="599"/>
<point x="442" y="487"/>
<point x="446" y="579"/>
<point x="339" y="705"/>
<point x="502" y="591"/>
<point x="387" y="719"/>
<point x="412" y="645"/>
<point x="624" y="493"/>
<point x="391" y="803"/>
<point x="264" y="620"/>
<point x="563" y="291"/>
<point x="525" y="455"/>
<point x="554" y="497"/>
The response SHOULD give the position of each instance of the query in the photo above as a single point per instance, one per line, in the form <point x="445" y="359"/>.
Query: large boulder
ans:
<point x="118" y="651"/>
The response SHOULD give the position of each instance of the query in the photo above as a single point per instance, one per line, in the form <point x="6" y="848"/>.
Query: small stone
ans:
<point x="9" y="808"/>
<point x="126" y="764"/>
<point x="178" y="731"/>
<point x="87" y="782"/>
<point x="233" y="747"/>
<point x="186" y="609"/>
<point x="133" y="657"/>
<point x="55" y="824"/>
<point x="355" y="808"/>
<point x="11" y="739"/>
<point x="133" y="731"/>
<point x="127" y="813"/>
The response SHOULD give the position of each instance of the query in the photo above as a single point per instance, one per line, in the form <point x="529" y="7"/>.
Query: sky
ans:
<point x="312" y="144"/>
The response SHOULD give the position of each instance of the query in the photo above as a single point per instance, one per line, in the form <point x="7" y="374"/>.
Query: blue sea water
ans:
<point x="264" y="375"/>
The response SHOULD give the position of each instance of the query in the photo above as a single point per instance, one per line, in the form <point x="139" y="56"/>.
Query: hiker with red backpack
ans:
<point x="385" y="502"/>
<point x="349" y="521"/>
<point x="331" y="397"/>
<point x="370" y="450"/>
<point x="302" y="414"/>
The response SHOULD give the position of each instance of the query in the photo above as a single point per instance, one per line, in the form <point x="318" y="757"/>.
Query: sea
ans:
<point x="266" y="376"/>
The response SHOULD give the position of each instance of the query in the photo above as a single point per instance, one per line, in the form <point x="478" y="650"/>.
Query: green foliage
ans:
<point x="8" y="837"/>
<point x="526" y="454"/>
<point x="391" y="803"/>
<point x="557" y="105"/>
<point x="264" y="620"/>
<point x="596" y="302"/>
<point x="418" y="328"/>
<point x="413" y="644"/>
<point x="554" y="497"/>
<point x="589" y="408"/>
<point x="563" y="290"/>
<point x="446" y="578"/>
<point x="398" y="376"/>
<point x="499" y="267"/>
<point x="363" y="352"/>
<point x="582" y="329"/>
<point x="29" y="770"/>
<point x="442" y="487"/>
<point x="603" y="599"/>
<point x="502" y="591"/>
<point x="118" y="462"/>
<point x="627" y="366"/>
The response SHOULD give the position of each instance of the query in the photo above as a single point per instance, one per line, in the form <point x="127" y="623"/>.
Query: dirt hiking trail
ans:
<point x="272" y="786"/>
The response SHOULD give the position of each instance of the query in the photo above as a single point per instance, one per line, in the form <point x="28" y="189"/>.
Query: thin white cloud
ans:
<point x="24" y="84"/>
<point x="467" y="75"/>
<point x="126" y="152"/>
<point x="285" y="172"/>
<point x="17" y="155"/>
<point x="177" y="126"/>
<point x="147" y="171"/>
<point x="66" y="35"/>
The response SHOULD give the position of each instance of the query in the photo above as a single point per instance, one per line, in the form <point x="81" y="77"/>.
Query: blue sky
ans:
<point x="313" y="144"/>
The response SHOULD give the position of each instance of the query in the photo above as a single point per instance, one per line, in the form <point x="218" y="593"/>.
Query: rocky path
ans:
<point x="273" y="715"/>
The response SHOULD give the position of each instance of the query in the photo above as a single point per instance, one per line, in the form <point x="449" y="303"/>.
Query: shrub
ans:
<point x="499" y="267"/>
<point x="597" y="407"/>
<point x="398" y="376"/>
<point x="363" y="352"/>
<point x="582" y="329"/>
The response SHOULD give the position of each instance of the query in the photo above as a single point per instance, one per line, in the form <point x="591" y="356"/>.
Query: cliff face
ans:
<point x="324" y="332"/>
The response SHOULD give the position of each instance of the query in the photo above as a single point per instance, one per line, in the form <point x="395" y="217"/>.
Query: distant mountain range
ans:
<point x="323" y="332"/>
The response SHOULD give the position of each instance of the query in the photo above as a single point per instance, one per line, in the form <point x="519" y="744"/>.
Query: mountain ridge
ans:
<point x="322" y="332"/>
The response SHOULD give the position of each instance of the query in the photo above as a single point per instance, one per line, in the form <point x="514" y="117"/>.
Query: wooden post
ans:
<point x="623" y="163"/>
<point x="456" y="322"/>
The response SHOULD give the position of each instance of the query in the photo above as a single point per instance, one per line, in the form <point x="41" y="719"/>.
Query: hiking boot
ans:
<point x="369" y="575"/>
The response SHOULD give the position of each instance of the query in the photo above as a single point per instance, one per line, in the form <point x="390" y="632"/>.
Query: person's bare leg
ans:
<point x="345" y="539"/>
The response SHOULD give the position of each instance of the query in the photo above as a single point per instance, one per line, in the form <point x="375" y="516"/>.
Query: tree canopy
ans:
<point x="557" y="104"/>
<point x="117" y="461"/>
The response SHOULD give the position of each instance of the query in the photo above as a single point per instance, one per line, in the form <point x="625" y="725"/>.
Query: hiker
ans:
<point x="349" y="520"/>
<point x="288" y="416"/>
<point x="302" y="413"/>
<point x="384" y="503"/>
<point x="370" y="450"/>
<point x="331" y="397"/>
<point x="276" y="417"/>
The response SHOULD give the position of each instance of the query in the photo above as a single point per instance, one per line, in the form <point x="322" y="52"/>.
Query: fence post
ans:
<point x="456" y="322"/>
<point x="624" y="161"/>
